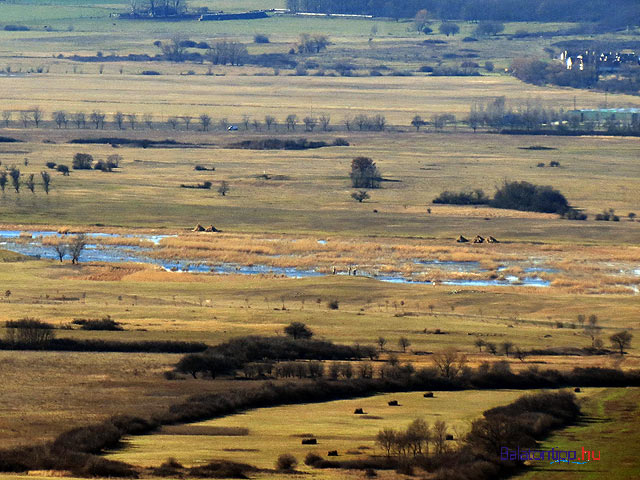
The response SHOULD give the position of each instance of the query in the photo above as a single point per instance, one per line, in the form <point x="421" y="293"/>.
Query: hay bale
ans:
<point x="309" y="441"/>
<point x="449" y="437"/>
<point x="428" y="395"/>
<point x="393" y="403"/>
<point x="478" y="239"/>
<point x="358" y="411"/>
<point x="492" y="240"/>
<point x="461" y="239"/>
<point x="332" y="453"/>
<point x="577" y="390"/>
<point x="198" y="228"/>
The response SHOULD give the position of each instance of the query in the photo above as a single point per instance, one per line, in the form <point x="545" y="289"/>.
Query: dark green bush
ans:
<point x="530" y="198"/>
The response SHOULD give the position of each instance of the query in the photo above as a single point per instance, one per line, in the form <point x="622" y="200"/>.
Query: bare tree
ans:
<point x="381" y="343"/>
<point x="386" y="439"/>
<point x="223" y="189"/>
<point x="439" y="436"/>
<point x="6" y="117"/>
<point x="348" y="121"/>
<point x="592" y="329"/>
<point x="31" y="183"/>
<point x="507" y="346"/>
<point x="403" y="343"/>
<point x="118" y="119"/>
<point x="621" y="340"/>
<point x="132" y="118"/>
<point x="449" y="362"/>
<point x="187" y="120"/>
<point x="25" y="118"/>
<point x="246" y="120"/>
<point x="14" y="173"/>
<point x="205" y="121"/>
<point x="97" y="118"/>
<point x="292" y="120"/>
<point x="76" y="246"/>
<point x="36" y="114"/>
<point x="46" y="181"/>
<point x="268" y="121"/>
<point x="147" y="118"/>
<point x="256" y="124"/>
<point x="60" y="117"/>
<point x="417" y="122"/>
<point x="80" y="119"/>
<point x="3" y="180"/>
<point x="61" y="249"/>
<point x="310" y="123"/>
<point x="480" y="343"/>
<point x="173" y="122"/>
<point x="325" y="120"/>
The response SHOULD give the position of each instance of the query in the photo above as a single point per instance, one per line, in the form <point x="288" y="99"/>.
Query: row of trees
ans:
<point x="415" y="440"/>
<point x="625" y="13"/>
<point x="18" y="180"/>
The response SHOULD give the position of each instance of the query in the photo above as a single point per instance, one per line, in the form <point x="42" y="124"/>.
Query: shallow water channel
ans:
<point x="31" y="243"/>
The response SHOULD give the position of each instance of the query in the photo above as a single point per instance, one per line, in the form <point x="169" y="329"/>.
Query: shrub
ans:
<point x="82" y="161"/>
<point x="101" y="467"/>
<point x="475" y="197"/>
<point x="360" y="196"/>
<point x="469" y="39"/>
<point x="150" y="72"/>
<point x="530" y="198"/>
<point x="333" y="304"/>
<point x="29" y="331"/>
<point x="105" y="323"/>
<point x="311" y="459"/>
<point x="51" y="165"/>
<point x="426" y="69"/>
<point x="286" y="462"/>
<point x="573" y="214"/>
<point x="298" y="330"/>
<point x="489" y="66"/>
<point x="607" y="216"/>
<point x="260" y="38"/>
<point x="63" y="169"/>
<point x="16" y="28"/>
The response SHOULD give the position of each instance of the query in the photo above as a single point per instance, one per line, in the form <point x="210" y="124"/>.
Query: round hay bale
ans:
<point x="309" y="441"/>
<point x="393" y="403"/>
<point x="577" y="390"/>
<point x="428" y="395"/>
<point x="332" y="453"/>
<point x="449" y="437"/>
<point x="358" y="411"/>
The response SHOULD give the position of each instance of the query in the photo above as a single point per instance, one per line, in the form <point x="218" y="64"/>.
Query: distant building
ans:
<point x="604" y="62"/>
<point x="625" y="116"/>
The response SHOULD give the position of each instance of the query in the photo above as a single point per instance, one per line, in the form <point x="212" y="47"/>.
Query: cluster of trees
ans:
<point x="539" y="72"/>
<point x="157" y="8"/>
<point x="364" y="173"/>
<point x="84" y="161"/>
<point x="415" y="440"/>
<point x="625" y="13"/>
<point x="18" y="180"/>
<point x="312" y="43"/>
<point x="72" y="246"/>
<point x="515" y="195"/>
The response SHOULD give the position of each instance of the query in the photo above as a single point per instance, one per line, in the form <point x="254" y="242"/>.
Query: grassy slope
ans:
<point x="610" y="427"/>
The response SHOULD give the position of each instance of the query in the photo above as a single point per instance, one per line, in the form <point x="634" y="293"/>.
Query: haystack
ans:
<point x="461" y="239"/>
<point x="492" y="240"/>
<point x="198" y="228"/>
<point x="478" y="239"/>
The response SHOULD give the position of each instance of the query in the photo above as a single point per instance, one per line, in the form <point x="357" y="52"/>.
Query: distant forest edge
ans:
<point x="620" y="13"/>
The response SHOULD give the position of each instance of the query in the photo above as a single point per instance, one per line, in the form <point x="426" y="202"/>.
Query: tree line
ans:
<point x="625" y="12"/>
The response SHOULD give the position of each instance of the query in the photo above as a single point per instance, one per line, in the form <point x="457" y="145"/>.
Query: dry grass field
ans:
<point x="279" y="206"/>
<point x="259" y="436"/>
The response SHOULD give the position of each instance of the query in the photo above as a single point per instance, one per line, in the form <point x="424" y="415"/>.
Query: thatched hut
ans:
<point x="478" y="239"/>
<point x="461" y="239"/>
<point x="198" y="228"/>
<point x="491" y="239"/>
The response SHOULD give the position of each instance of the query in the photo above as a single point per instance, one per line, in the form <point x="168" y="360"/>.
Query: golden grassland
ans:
<point x="309" y="191"/>
<point x="258" y="436"/>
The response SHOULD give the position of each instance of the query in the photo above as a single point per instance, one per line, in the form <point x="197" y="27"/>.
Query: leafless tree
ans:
<point x="147" y="118"/>
<point x="46" y="181"/>
<point x="325" y="120"/>
<point x="31" y="183"/>
<point x="187" y="120"/>
<point x="439" y="436"/>
<point x="14" y="173"/>
<point x="449" y="362"/>
<point x="132" y="118"/>
<point x="246" y="120"/>
<point x="205" y="121"/>
<point x="36" y="115"/>
<point x="268" y="121"/>
<point x="6" y="117"/>
<point x="173" y="121"/>
<point x="80" y="119"/>
<point x="381" y="343"/>
<point x="60" y="117"/>
<point x="403" y="343"/>
<point x="118" y="119"/>
<point x="310" y="123"/>
<point x="292" y="120"/>
<point x="97" y="118"/>
<point x="223" y="188"/>
<point x="25" y="118"/>
<point x="76" y="246"/>
<point x="256" y="124"/>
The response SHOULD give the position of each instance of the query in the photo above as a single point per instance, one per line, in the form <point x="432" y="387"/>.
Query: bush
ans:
<point x="311" y="459"/>
<point x="150" y="72"/>
<point x="573" y="214"/>
<point x="16" y="28"/>
<point x="469" y="39"/>
<point x="426" y="69"/>
<point x="101" y="467"/>
<point x="364" y="173"/>
<point x="82" y="161"/>
<point x="29" y="331"/>
<point x="51" y="165"/>
<point x="63" y="169"/>
<point x="475" y="197"/>
<point x="260" y="38"/>
<point x="286" y="462"/>
<point x="105" y="323"/>
<point x="333" y="304"/>
<point x="527" y="197"/>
